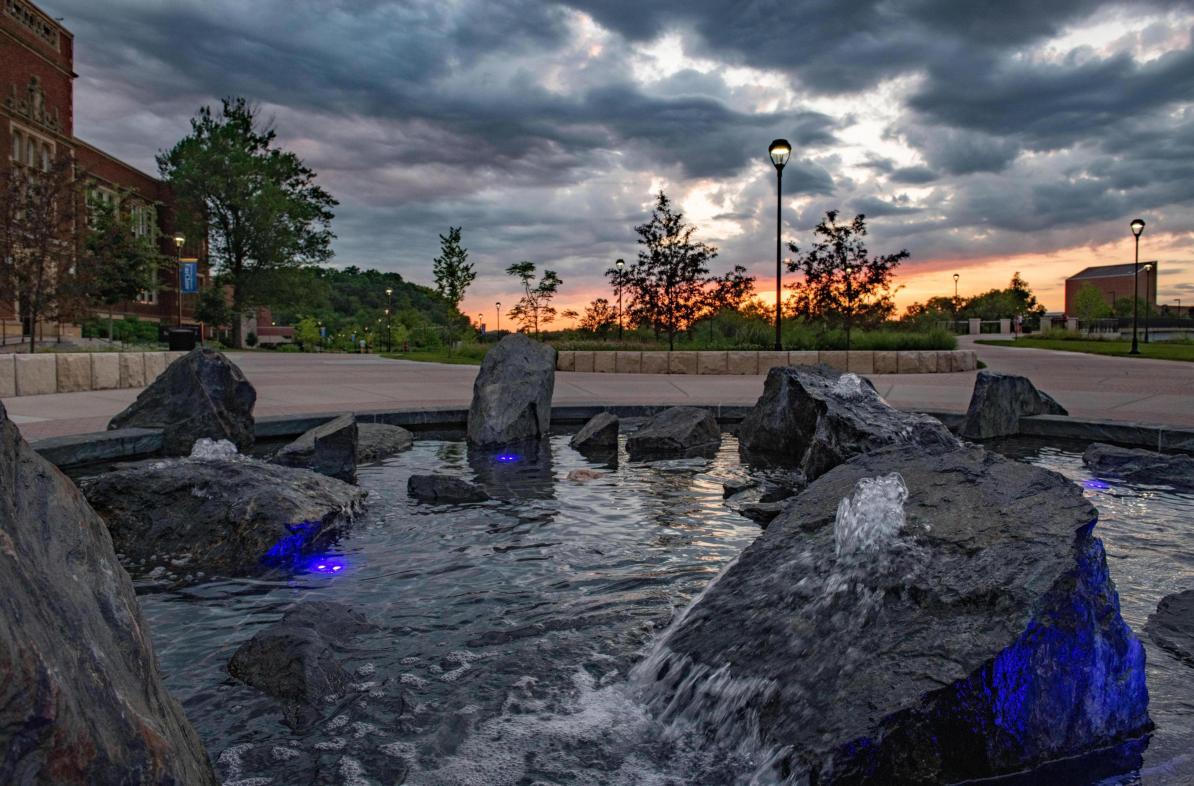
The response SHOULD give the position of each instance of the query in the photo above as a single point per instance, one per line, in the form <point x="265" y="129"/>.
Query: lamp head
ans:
<point x="179" y="239"/>
<point x="1137" y="226"/>
<point x="956" y="277"/>
<point x="621" y="263"/>
<point x="389" y="291"/>
<point x="780" y="151"/>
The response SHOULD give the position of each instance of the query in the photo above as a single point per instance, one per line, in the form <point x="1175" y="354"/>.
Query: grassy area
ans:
<point x="1159" y="350"/>
<point x="463" y="357"/>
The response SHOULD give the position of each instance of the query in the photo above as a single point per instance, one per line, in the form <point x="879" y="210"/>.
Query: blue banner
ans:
<point x="190" y="277"/>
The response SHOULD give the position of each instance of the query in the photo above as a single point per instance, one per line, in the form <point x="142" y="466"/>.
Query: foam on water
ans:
<point x="213" y="450"/>
<point x="871" y="517"/>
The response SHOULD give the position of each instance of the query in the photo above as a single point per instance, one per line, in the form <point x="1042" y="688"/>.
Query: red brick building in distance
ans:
<point x="1113" y="282"/>
<point x="37" y="125"/>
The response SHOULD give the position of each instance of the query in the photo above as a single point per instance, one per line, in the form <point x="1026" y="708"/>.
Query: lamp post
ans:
<point x="1148" y="269"/>
<point x="620" y="264"/>
<point x="1137" y="226"/>
<point x="780" y="151"/>
<point x="178" y="242"/>
<point x="955" y="326"/>
<point x="497" y="309"/>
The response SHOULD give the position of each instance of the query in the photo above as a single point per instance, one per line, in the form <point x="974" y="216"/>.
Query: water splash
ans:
<point x="849" y="385"/>
<point x="213" y="450"/>
<point x="870" y="518"/>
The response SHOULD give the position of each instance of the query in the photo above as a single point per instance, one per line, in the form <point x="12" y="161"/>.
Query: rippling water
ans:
<point x="507" y="628"/>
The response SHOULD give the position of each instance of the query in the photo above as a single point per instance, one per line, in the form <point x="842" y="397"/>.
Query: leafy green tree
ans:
<point x="534" y="307"/>
<point x="842" y="284"/>
<point x="119" y="263"/>
<point x="306" y="332"/>
<point x="453" y="273"/>
<point x="258" y="205"/>
<point x="1090" y="304"/>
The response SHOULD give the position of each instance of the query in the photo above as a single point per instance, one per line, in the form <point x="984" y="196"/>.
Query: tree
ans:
<point x="668" y="281"/>
<point x="306" y="333"/>
<point x="258" y="205"/>
<point x="119" y="264"/>
<point x="728" y="292"/>
<point x="842" y="283"/>
<point x="212" y="308"/>
<point x="38" y="237"/>
<point x="599" y="318"/>
<point x="453" y="273"/>
<point x="534" y="307"/>
<point x="1090" y="304"/>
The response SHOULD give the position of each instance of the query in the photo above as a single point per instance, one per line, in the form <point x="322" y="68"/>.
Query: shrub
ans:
<point x="251" y="339"/>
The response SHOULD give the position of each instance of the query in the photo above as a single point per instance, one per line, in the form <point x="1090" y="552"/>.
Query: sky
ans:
<point x="985" y="137"/>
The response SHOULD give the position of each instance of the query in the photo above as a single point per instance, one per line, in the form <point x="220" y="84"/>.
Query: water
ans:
<point x="507" y="630"/>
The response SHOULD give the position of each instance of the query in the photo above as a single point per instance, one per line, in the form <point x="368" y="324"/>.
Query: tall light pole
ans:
<point x="780" y="151"/>
<point x="955" y="326"/>
<point x="1137" y="227"/>
<point x="620" y="264"/>
<point x="497" y="309"/>
<point x="1148" y="269"/>
<point x="179" y="240"/>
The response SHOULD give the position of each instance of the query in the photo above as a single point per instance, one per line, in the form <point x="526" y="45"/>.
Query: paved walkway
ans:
<point x="1094" y="386"/>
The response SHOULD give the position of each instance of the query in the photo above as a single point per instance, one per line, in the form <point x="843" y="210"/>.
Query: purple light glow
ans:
<point x="507" y="458"/>
<point x="1097" y="485"/>
<point x="325" y="565"/>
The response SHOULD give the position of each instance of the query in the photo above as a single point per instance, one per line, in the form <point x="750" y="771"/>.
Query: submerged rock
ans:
<point x="376" y="441"/>
<point x="443" y="490"/>
<point x="911" y="618"/>
<point x="1141" y="466"/>
<point x="294" y="659"/>
<point x="329" y="449"/>
<point x="1172" y="625"/>
<point x="599" y="434"/>
<point x="999" y="401"/>
<point x="512" y="393"/>
<point x="762" y="512"/>
<point x="675" y="431"/>
<point x="229" y="517"/>
<point x="81" y="700"/>
<point x="815" y="418"/>
<point x="202" y="394"/>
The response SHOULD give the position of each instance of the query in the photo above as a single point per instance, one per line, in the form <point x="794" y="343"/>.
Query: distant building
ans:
<point x="37" y="125"/>
<point x="1113" y="282"/>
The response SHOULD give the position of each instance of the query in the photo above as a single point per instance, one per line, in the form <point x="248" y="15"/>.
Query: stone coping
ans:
<point x="760" y="362"/>
<point x="72" y="372"/>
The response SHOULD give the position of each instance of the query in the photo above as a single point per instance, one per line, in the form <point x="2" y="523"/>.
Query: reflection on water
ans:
<point x="507" y="628"/>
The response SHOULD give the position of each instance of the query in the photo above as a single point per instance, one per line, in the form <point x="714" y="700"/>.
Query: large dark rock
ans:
<point x="202" y="394"/>
<point x="999" y="401"/>
<point x="599" y="434"/>
<point x="815" y="418"/>
<point x="81" y="700"/>
<point x="376" y="441"/>
<point x="1172" y="625"/>
<point x="969" y="630"/>
<point x="443" y="490"/>
<point x="1140" y="466"/>
<point x="512" y="393"/>
<point x="294" y="660"/>
<point x="675" y="431"/>
<point x="329" y="449"/>
<point x="228" y="517"/>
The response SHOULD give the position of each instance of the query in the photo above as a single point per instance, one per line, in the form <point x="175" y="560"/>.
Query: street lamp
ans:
<point x="780" y="151"/>
<point x="497" y="308"/>
<point x="1137" y="227"/>
<point x="956" y="277"/>
<point x="620" y="265"/>
<point x="1148" y="268"/>
<point x="178" y="243"/>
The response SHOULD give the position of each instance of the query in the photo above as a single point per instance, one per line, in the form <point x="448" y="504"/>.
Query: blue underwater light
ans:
<point x="1097" y="485"/>
<point x="507" y="458"/>
<point x="325" y="565"/>
<point x="288" y="548"/>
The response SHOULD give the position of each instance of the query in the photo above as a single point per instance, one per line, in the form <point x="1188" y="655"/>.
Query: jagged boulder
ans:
<point x="911" y="618"/>
<point x="599" y="434"/>
<point x="815" y="418"/>
<point x="81" y="700"/>
<point x="224" y="516"/>
<point x="675" y="431"/>
<point x="1140" y="466"/>
<point x="329" y="449"/>
<point x="512" y="393"/>
<point x="443" y="490"/>
<point x="202" y="394"/>
<point x="1172" y="625"/>
<point x="999" y="401"/>
<point x="376" y="441"/>
<point x="294" y="660"/>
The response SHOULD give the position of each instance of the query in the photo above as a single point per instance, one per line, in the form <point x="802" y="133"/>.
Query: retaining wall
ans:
<point x="739" y="362"/>
<point x="71" y="372"/>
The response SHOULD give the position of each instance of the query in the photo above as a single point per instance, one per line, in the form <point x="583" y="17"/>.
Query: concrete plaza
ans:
<point x="1090" y="386"/>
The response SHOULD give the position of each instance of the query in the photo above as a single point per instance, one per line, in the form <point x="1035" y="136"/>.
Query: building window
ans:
<point x="32" y="150"/>
<point x="150" y="296"/>
<point x="144" y="221"/>
<point x="16" y="146"/>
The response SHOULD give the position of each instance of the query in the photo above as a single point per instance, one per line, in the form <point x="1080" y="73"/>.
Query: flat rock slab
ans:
<point x="329" y="449"/>
<point x="377" y="441"/>
<point x="443" y="490"/>
<point x="1171" y="626"/>
<point x="1141" y="466"/>
<point x="675" y="431"/>
<point x="82" y="702"/>
<point x="999" y="401"/>
<point x="969" y="630"/>
<point x="600" y="433"/>
<point x="225" y="517"/>
<point x="512" y="393"/>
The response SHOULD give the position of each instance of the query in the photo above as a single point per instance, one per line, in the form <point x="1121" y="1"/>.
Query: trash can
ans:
<point x="181" y="340"/>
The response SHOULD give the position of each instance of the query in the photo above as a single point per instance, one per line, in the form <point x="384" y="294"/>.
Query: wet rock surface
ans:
<point x="599" y="434"/>
<point x="999" y="401"/>
<point x="377" y="441"/>
<point x="202" y="394"/>
<point x="1141" y="466"/>
<point x="512" y="393"/>
<point x="294" y="660"/>
<point x="1171" y="626"/>
<point x="814" y="418"/>
<point x="967" y="630"/>
<point x="229" y="517"/>
<point x="81" y="697"/>
<point x="675" y="431"/>
<point x="444" y="490"/>
<point x="329" y="449"/>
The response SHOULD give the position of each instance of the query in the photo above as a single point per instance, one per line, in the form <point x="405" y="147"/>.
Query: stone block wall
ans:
<point x="72" y="372"/>
<point x="748" y="362"/>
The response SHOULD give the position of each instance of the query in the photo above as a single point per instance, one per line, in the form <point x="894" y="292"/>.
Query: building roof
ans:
<point x="1109" y="271"/>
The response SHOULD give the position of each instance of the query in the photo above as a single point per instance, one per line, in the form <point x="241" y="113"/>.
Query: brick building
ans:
<point x="37" y="125"/>
<point x="1113" y="282"/>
